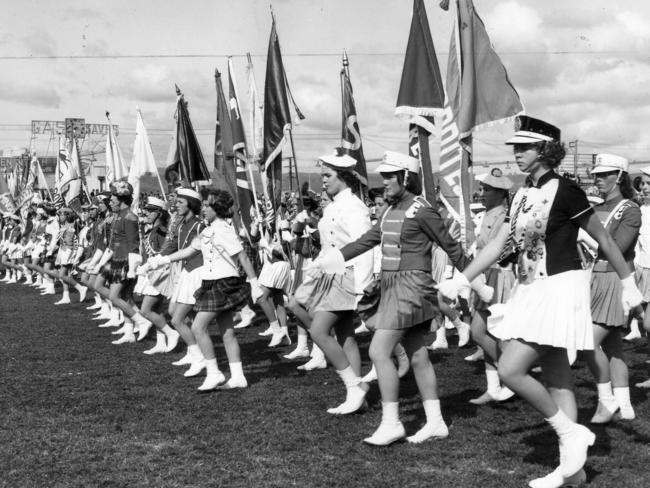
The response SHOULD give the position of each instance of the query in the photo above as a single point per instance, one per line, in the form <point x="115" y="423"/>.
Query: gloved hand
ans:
<point x="331" y="262"/>
<point x="159" y="261"/>
<point x="631" y="295"/>
<point x="453" y="287"/>
<point x="484" y="292"/>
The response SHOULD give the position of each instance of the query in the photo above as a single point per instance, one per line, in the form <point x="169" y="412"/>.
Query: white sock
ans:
<point x="432" y="411"/>
<point x="349" y="377"/>
<point x="167" y="330"/>
<point x="302" y="342"/>
<point x="390" y="413"/>
<point x="211" y="366"/>
<point x="236" y="370"/>
<point x="275" y="327"/>
<point x="316" y="352"/>
<point x="457" y="322"/>
<point x="606" y="395"/>
<point x="622" y="396"/>
<point x="138" y="318"/>
<point x="561" y="424"/>
<point x="441" y="335"/>
<point x="493" y="382"/>
<point x="160" y="340"/>
<point x="194" y="351"/>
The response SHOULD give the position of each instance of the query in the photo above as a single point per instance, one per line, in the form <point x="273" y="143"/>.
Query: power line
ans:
<point x="295" y="55"/>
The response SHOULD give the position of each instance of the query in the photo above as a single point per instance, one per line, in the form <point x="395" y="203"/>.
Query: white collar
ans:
<point x="342" y="195"/>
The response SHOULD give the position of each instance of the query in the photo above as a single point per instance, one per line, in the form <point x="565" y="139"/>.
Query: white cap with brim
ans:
<point x="154" y="203"/>
<point x="188" y="193"/>
<point x="495" y="179"/>
<point x="524" y="137"/>
<point x="394" y="161"/>
<point x="646" y="170"/>
<point x="344" y="161"/>
<point x="610" y="162"/>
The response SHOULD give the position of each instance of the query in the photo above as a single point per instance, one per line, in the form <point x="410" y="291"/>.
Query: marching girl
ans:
<point x="642" y="259"/>
<point x="332" y="296"/>
<point x="317" y="357"/>
<point x="37" y="245"/>
<point x="50" y="245"/>
<point x="67" y="255"/>
<point x="118" y="261"/>
<point x="4" y="234"/>
<point x="222" y="290"/>
<point x="26" y="242"/>
<point x="101" y="236"/>
<point x="87" y="239"/>
<point x="14" y="249"/>
<point x="275" y="281"/>
<point x="548" y="311"/>
<point x="408" y="300"/>
<point x="622" y="219"/>
<point x="188" y="212"/>
<point x="494" y="190"/>
<point x="154" y="286"/>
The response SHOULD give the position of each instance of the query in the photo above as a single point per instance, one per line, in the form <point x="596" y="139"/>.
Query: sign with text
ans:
<point x="53" y="127"/>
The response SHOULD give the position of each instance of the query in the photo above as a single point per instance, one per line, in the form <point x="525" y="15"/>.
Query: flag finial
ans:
<point x="178" y="90"/>
<point x="108" y="115"/>
<point x="346" y="61"/>
<point x="444" y="4"/>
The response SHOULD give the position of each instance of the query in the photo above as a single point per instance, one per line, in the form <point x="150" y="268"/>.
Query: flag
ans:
<point x="421" y="93"/>
<point x="187" y="161"/>
<point x="479" y="94"/>
<point x="67" y="178"/>
<point x="350" y="133"/>
<point x="26" y="192"/>
<point x="115" y="165"/>
<point x="73" y="195"/>
<point x="40" y="178"/>
<point x="256" y="114"/>
<point x="245" y="197"/>
<point x="6" y="200"/>
<point x="223" y="151"/>
<point x="277" y="124"/>
<point x="142" y="161"/>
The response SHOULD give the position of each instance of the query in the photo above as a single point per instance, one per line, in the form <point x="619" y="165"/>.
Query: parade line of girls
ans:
<point x="552" y="276"/>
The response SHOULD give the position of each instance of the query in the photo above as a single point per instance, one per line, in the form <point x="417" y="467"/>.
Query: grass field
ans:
<point x="78" y="411"/>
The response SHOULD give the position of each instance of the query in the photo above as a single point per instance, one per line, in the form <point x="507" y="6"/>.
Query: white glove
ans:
<point x="256" y="290"/>
<point x="631" y="295"/>
<point x="587" y="240"/>
<point x="453" y="287"/>
<point x="484" y="292"/>
<point x="134" y="261"/>
<point x="143" y="269"/>
<point x="331" y="262"/>
<point x="156" y="262"/>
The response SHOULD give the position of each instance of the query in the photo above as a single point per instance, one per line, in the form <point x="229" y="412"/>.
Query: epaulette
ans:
<point x="418" y="203"/>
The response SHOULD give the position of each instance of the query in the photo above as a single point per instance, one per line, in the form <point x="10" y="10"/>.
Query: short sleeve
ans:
<point x="575" y="203"/>
<point x="229" y="240"/>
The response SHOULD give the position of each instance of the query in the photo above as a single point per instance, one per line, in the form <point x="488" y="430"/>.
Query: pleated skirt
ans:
<point x="553" y="311"/>
<point x="606" y="301"/>
<point x="328" y="292"/>
<point x="643" y="282"/>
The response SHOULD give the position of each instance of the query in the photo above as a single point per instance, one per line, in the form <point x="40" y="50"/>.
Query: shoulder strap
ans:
<point x="614" y="210"/>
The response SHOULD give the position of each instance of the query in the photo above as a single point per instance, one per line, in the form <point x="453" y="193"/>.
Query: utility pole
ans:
<point x="574" y="145"/>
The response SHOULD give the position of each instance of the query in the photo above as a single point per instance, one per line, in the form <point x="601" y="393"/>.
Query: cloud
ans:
<point x="39" y="43"/>
<point x="30" y="94"/>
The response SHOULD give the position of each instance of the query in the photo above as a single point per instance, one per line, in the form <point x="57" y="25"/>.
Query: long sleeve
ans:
<point x="364" y="243"/>
<point x="433" y="225"/>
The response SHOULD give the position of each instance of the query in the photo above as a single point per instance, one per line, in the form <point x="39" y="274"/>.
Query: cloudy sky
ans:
<point x="582" y="64"/>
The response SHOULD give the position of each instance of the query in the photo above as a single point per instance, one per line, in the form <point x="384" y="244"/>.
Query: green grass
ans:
<point x="78" y="411"/>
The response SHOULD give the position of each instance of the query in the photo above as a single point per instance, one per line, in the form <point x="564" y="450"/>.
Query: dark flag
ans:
<point x="244" y="186"/>
<point x="277" y="124"/>
<point x="223" y="150"/>
<point x="350" y="133"/>
<point x="479" y="94"/>
<point x="421" y="93"/>
<point x="186" y="159"/>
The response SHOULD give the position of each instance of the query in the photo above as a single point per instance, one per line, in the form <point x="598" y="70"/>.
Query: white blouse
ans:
<point x="218" y="244"/>
<point x="345" y="220"/>
<point x="642" y="258"/>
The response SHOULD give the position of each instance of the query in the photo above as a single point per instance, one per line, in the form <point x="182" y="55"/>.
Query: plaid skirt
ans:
<point x="115" y="271"/>
<point x="223" y="295"/>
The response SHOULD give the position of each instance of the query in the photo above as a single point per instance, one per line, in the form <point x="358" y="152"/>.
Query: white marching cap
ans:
<point x="394" y="161"/>
<point x="154" y="203"/>
<point x="344" y="161"/>
<point x="610" y="162"/>
<point x="188" y="193"/>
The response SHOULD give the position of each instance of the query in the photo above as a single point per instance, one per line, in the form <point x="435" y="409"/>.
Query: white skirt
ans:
<point x="144" y="287"/>
<point x="553" y="311"/>
<point x="188" y="283"/>
<point x="64" y="257"/>
<point x="643" y="282"/>
<point x="276" y="275"/>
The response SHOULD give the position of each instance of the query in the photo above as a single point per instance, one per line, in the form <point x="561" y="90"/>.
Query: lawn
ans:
<point x="78" y="411"/>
